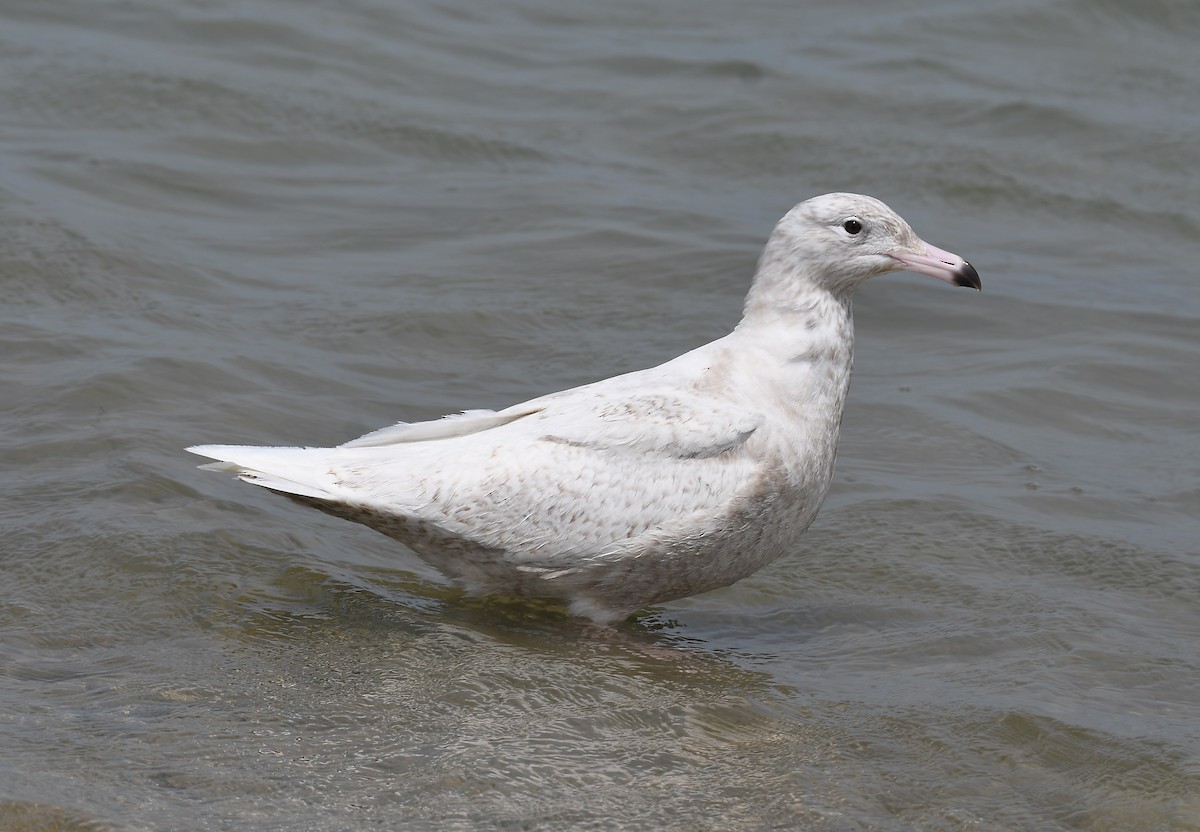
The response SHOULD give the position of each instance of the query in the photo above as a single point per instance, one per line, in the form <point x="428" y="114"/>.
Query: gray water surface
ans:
<point x="266" y="222"/>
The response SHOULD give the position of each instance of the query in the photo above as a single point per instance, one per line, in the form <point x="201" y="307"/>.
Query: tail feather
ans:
<point x="289" y="470"/>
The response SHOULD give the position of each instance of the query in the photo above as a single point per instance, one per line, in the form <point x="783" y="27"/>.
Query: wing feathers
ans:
<point x="290" y="470"/>
<point x="460" y="424"/>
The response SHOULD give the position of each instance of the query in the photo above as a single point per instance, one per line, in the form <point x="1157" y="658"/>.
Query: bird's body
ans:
<point x="644" y="487"/>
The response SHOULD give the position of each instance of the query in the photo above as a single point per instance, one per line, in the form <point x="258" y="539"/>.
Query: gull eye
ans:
<point x="852" y="226"/>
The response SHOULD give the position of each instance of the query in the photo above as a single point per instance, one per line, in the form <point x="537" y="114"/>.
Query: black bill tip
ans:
<point x="967" y="276"/>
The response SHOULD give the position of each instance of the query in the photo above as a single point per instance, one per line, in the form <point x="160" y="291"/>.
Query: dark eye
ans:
<point x="852" y="226"/>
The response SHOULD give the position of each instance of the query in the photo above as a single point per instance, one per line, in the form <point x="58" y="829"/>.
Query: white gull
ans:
<point x="648" y="486"/>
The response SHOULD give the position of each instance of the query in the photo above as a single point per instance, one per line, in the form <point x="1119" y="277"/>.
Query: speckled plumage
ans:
<point x="644" y="487"/>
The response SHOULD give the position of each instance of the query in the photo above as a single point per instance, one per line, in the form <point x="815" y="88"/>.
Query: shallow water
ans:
<point x="259" y="222"/>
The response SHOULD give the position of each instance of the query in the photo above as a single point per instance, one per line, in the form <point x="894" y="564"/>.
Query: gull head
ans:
<point x="839" y="240"/>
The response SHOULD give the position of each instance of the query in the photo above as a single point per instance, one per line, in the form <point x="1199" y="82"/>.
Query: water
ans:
<point x="266" y="222"/>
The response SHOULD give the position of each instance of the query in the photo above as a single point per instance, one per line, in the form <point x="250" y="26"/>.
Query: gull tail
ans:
<point x="298" y="471"/>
